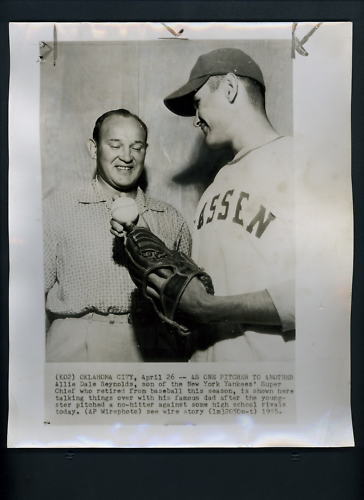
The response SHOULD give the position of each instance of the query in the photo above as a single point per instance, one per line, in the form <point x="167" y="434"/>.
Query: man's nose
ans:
<point x="125" y="155"/>
<point x="196" y="120"/>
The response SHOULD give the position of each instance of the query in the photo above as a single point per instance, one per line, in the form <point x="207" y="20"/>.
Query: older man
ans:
<point x="90" y="298"/>
<point x="243" y="234"/>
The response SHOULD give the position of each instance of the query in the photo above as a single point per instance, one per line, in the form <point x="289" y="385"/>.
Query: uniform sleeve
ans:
<point x="283" y="297"/>
<point x="184" y="241"/>
<point x="49" y="246"/>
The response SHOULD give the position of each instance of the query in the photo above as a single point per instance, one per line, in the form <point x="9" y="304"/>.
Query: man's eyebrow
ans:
<point x="118" y="141"/>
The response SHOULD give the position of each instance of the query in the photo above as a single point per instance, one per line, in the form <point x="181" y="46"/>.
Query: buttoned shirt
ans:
<point x="81" y="275"/>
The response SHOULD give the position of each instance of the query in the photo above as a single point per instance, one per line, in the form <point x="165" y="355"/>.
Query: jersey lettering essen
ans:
<point x="220" y="208"/>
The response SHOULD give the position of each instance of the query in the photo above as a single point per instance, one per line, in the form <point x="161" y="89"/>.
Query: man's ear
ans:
<point x="92" y="148"/>
<point x="231" y="86"/>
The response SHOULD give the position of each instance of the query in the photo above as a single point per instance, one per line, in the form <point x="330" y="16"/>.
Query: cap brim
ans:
<point x="180" y="102"/>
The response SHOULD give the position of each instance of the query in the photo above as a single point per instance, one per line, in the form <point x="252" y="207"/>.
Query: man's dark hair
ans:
<point x="120" y="112"/>
<point x="254" y="89"/>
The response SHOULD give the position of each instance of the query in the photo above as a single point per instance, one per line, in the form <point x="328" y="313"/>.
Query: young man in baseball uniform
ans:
<point x="243" y="231"/>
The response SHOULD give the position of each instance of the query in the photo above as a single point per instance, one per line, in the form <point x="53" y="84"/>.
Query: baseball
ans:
<point x="124" y="210"/>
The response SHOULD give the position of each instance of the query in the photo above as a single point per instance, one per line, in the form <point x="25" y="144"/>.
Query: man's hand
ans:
<point x="120" y="230"/>
<point x="117" y="229"/>
<point x="194" y="301"/>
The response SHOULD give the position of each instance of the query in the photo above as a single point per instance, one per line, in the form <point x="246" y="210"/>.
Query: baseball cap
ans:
<point x="216" y="62"/>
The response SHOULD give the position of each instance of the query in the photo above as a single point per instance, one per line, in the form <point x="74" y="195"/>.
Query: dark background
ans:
<point x="188" y="474"/>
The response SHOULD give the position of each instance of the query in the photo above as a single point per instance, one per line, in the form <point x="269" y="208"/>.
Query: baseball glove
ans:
<point x="146" y="254"/>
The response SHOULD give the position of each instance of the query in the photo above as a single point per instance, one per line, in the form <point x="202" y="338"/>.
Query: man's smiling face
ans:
<point x="121" y="152"/>
<point x="210" y="111"/>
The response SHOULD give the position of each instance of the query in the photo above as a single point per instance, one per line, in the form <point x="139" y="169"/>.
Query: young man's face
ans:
<point x="121" y="152"/>
<point x="210" y="112"/>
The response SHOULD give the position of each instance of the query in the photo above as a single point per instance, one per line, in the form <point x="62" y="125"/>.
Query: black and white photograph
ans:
<point x="182" y="193"/>
<point x="221" y="184"/>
